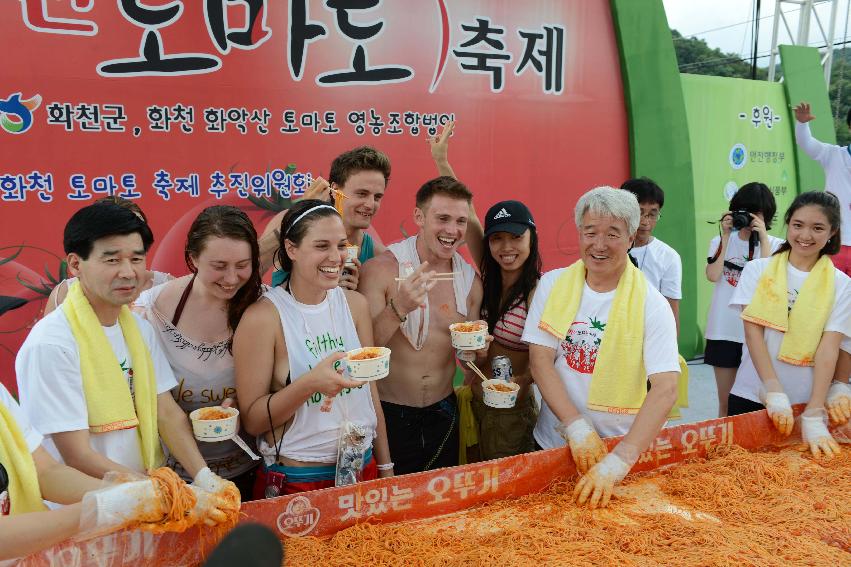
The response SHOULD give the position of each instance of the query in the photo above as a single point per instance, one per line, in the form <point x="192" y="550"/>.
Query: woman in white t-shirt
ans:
<point x="288" y="351"/>
<point x="28" y="473"/>
<point x="763" y="380"/>
<point x="752" y="208"/>
<point x="195" y="317"/>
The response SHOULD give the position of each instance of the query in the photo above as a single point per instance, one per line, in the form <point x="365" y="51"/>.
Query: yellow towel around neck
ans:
<point x="619" y="382"/>
<point x="804" y="324"/>
<point x="24" y="492"/>
<point x="108" y="400"/>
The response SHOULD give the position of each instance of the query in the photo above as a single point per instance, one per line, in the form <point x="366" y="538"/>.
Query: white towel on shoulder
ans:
<point x="415" y="328"/>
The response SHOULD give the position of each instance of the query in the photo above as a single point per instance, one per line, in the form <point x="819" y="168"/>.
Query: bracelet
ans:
<point x="385" y="467"/>
<point x="402" y="319"/>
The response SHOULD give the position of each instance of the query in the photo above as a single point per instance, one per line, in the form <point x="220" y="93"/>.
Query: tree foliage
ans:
<point x="696" y="57"/>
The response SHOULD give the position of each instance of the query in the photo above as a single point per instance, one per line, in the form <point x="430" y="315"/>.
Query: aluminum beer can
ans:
<point x="501" y="368"/>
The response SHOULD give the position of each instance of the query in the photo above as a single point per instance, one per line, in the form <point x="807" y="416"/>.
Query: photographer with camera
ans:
<point x="743" y="236"/>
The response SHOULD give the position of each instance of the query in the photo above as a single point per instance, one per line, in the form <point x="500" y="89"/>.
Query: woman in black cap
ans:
<point x="506" y="252"/>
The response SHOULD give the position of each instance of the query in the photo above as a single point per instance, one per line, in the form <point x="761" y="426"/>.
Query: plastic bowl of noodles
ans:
<point x="469" y="335"/>
<point x="498" y="393"/>
<point x="214" y="423"/>
<point x="368" y="363"/>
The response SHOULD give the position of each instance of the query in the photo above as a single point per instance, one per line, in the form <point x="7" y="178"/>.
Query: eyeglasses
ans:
<point x="652" y="216"/>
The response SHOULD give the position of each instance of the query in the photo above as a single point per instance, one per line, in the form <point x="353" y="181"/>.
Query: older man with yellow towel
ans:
<point x="91" y="375"/>
<point x="597" y="334"/>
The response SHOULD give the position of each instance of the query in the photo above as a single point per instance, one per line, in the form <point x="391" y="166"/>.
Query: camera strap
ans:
<point x="714" y="257"/>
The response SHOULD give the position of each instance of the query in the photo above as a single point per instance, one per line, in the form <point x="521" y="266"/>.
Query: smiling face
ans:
<point x="808" y="231"/>
<point x="363" y="192"/>
<point x="603" y="245"/>
<point x="442" y="222"/>
<point x="114" y="272"/>
<point x="223" y="266"/>
<point x="319" y="257"/>
<point x="510" y="250"/>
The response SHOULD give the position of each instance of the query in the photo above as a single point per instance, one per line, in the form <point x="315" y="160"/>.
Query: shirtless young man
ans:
<point x="412" y="318"/>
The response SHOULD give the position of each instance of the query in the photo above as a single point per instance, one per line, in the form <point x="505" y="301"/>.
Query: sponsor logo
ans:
<point x="501" y="214"/>
<point x="738" y="156"/>
<point x="300" y="517"/>
<point x="16" y="115"/>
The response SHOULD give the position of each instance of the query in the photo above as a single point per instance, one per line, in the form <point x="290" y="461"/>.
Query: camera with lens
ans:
<point x="741" y="219"/>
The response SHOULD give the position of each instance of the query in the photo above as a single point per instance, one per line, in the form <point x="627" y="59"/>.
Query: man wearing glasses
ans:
<point x="659" y="262"/>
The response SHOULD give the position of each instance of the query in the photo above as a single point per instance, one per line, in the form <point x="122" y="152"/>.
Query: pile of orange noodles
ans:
<point x="734" y="508"/>
<point x="179" y="500"/>
<point x="214" y="413"/>
<point x="366" y="354"/>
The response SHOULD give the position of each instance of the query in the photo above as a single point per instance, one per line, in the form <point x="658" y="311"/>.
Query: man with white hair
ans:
<point x="597" y="334"/>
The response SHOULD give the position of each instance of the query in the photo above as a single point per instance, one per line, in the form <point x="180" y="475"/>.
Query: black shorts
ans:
<point x="737" y="405"/>
<point x="723" y="354"/>
<point x="422" y="439"/>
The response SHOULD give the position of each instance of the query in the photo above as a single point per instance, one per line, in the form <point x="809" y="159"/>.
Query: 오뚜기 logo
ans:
<point x="16" y="115"/>
<point x="738" y="156"/>
<point x="300" y="517"/>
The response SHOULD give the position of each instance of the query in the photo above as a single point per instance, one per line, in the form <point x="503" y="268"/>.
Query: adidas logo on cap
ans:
<point x="502" y="214"/>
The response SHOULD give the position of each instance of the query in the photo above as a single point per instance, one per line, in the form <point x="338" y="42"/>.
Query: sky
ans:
<point x="702" y="18"/>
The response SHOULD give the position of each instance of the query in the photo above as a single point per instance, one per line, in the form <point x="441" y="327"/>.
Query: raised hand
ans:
<point x="803" y="114"/>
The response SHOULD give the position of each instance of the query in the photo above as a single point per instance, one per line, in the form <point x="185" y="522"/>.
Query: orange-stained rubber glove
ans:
<point x="597" y="486"/>
<point x="839" y="403"/>
<point x="815" y="434"/>
<point x="586" y="447"/>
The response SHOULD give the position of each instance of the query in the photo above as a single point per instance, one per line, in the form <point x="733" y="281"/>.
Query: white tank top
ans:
<point x="205" y="377"/>
<point x="312" y="333"/>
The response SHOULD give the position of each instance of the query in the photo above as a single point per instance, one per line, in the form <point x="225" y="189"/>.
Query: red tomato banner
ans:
<point x="182" y="105"/>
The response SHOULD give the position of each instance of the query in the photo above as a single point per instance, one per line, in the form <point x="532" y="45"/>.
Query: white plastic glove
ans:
<point x="215" y="496"/>
<point x="210" y="481"/>
<point x="113" y="507"/>
<point x="208" y="507"/>
<point x="586" y="447"/>
<point x="815" y="434"/>
<point x="780" y="411"/>
<point x="600" y="481"/>
<point x="839" y="403"/>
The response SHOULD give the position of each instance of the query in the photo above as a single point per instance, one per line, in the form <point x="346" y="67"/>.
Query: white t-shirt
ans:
<point x="576" y="355"/>
<point x="662" y="266"/>
<point x="797" y="380"/>
<point x="723" y="322"/>
<point x="32" y="437"/>
<point x="846" y="344"/>
<point x="836" y="162"/>
<point x="51" y="388"/>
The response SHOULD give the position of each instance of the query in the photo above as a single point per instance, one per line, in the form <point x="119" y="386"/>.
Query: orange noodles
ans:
<point x="502" y="387"/>
<point x="366" y="354"/>
<point x="211" y="414"/>
<point x="178" y="501"/>
<point x="734" y="508"/>
<point x="467" y="327"/>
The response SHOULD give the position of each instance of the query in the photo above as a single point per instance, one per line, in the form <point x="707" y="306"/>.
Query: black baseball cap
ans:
<point x="508" y="216"/>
